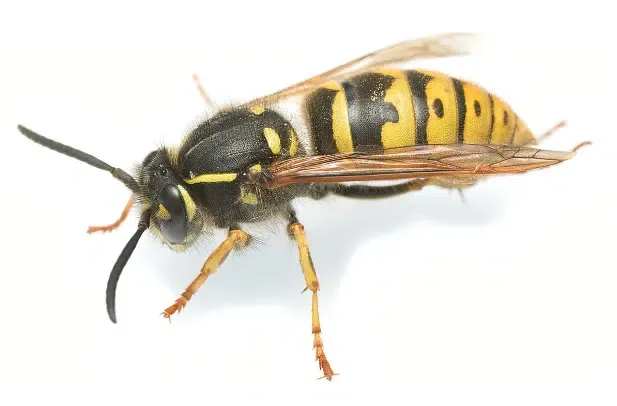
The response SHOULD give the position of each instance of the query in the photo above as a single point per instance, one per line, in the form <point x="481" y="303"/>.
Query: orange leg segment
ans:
<point x="116" y="224"/>
<point x="312" y="284"/>
<point x="554" y="129"/>
<point x="581" y="145"/>
<point x="212" y="264"/>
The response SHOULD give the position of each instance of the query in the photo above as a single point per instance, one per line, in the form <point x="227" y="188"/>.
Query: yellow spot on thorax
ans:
<point x="212" y="178"/>
<point x="341" y="130"/>
<point x="403" y="132"/>
<point x="273" y="139"/>
<point x="441" y="130"/>
<point x="162" y="213"/>
<point x="257" y="110"/>
<point x="188" y="203"/>
<point x="249" y="198"/>
<point x="255" y="168"/>
<point x="293" y="142"/>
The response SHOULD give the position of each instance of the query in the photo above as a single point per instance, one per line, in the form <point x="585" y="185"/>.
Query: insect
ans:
<point x="367" y="120"/>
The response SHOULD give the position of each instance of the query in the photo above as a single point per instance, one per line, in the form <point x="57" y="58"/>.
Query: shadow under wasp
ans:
<point x="367" y="120"/>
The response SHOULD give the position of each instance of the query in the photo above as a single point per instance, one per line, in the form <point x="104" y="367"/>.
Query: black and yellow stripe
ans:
<point x="417" y="82"/>
<point x="367" y="109"/>
<point x="328" y="115"/>
<point x="390" y="108"/>
<point x="478" y="116"/>
<point x="442" y="126"/>
<point x="402" y="132"/>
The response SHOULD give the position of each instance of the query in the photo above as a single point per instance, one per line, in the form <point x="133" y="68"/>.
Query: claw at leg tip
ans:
<point x="166" y="316"/>
<point x="328" y="377"/>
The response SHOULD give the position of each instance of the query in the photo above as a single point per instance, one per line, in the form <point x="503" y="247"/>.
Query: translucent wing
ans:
<point x="436" y="46"/>
<point x="423" y="161"/>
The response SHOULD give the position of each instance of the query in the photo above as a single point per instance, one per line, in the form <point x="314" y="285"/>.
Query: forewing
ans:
<point x="425" y="161"/>
<point x="436" y="46"/>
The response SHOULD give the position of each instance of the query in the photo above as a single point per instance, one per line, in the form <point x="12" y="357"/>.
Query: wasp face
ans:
<point x="175" y="217"/>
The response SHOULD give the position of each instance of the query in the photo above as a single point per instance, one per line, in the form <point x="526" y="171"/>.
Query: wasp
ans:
<point x="365" y="121"/>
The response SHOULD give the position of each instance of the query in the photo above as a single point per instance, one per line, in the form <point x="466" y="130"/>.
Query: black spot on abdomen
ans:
<point x="438" y="107"/>
<point x="477" y="109"/>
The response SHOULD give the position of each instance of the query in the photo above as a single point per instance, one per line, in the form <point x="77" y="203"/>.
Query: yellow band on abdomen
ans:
<point x="403" y="132"/>
<point x="442" y="124"/>
<point x="340" y="118"/>
<point x="478" y="115"/>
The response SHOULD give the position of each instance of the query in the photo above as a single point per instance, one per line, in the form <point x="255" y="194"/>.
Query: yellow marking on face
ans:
<point x="212" y="178"/>
<point x="341" y="131"/>
<point x="162" y="213"/>
<point x="274" y="141"/>
<point x="255" y="168"/>
<point x="441" y="130"/>
<point x="257" y="110"/>
<point x="188" y="203"/>
<point x="402" y="133"/>
<point x="477" y="127"/>
<point x="293" y="143"/>
<point x="502" y="131"/>
<point x="249" y="198"/>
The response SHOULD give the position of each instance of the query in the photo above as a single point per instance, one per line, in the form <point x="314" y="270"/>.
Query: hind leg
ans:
<point x="207" y="99"/>
<point x="550" y="132"/>
<point x="296" y="231"/>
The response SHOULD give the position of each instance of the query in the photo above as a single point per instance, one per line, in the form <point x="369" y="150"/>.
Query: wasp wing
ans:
<point x="421" y="161"/>
<point x="435" y="46"/>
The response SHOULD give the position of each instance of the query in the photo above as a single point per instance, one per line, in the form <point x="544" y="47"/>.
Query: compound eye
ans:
<point x="174" y="220"/>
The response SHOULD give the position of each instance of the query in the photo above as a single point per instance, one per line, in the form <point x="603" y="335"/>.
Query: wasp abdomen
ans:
<point x="391" y="108"/>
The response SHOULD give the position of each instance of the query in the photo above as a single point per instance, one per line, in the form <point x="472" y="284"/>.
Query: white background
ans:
<point x="509" y="298"/>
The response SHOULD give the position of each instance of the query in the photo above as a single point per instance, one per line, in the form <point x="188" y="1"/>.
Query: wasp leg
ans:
<point x="115" y="224"/>
<point x="550" y="132"/>
<point x="581" y="145"/>
<point x="375" y="192"/>
<point x="312" y="283"/>
<point x="212" y="264"/>
<point x="209" y="102"/>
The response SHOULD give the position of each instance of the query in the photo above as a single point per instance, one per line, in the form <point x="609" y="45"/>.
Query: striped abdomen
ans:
<point x="394" y="108"/>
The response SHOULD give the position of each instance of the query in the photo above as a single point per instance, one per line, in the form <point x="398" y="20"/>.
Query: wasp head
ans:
<point x="175" y="217"/>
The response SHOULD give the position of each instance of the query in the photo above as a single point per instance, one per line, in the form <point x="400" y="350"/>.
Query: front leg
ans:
<point x="212" y="264"/>
<point x="312" y="283"/>
<point x="115" y="224"/>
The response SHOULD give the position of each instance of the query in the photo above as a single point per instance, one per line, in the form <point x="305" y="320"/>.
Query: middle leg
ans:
<point x="376" y="192"/>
